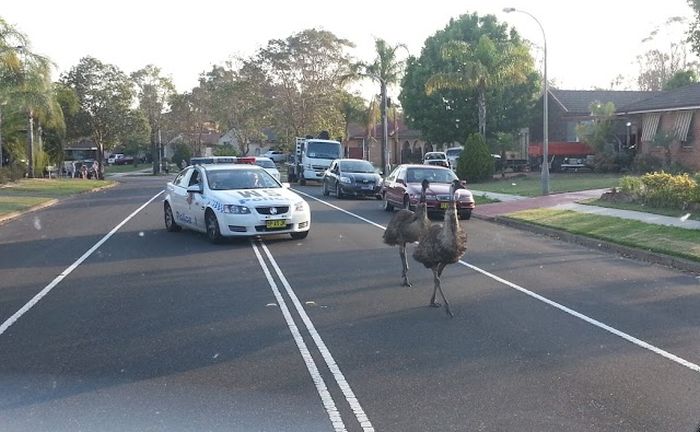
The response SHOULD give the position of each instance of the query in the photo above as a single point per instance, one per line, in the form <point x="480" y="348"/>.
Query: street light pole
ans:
<point x="545" y="98"/>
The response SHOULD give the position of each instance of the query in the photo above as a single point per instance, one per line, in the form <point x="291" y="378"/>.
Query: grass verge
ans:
<point x="531" y="185"/>
<point x="678" y="242"/>
<point x="641" y="208"/>
<point x="25" y="194"/>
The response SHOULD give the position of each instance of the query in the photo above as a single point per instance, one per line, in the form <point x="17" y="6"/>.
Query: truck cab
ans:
<point x="312" y="157"/>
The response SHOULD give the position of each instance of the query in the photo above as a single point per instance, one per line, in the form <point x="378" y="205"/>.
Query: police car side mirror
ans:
<point x="194" y="189"/>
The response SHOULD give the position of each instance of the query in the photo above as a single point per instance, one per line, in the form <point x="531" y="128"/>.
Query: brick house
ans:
<point x="673" y="112"/>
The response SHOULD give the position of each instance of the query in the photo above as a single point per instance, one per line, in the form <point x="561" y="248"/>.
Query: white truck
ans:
<point x="312" y="156"/>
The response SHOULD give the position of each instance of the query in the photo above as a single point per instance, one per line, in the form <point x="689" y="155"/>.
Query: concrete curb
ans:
<point x="601" y="245"/>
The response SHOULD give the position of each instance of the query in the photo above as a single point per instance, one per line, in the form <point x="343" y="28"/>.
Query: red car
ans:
<point x="401" y="189"/>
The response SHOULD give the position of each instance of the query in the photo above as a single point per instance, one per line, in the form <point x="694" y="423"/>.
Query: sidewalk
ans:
<point x="568" y="201"/>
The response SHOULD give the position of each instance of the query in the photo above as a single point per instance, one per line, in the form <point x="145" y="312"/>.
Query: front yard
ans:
<point x="530" y="184"/>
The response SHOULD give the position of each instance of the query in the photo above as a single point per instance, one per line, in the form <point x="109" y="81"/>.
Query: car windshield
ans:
<point x="356" y="167"/>
<point x="453" y="152"/>
<point x="432" y="156"/>
<point x="322" y="150"/>
<point x="240" y="179"/>
<point x="417" y="175"/>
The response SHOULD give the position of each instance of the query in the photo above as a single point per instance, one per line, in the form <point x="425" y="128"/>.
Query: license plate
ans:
<point x="276" y="223"/>
<point x="444" y="205"/>
<point x="367" y="187"/>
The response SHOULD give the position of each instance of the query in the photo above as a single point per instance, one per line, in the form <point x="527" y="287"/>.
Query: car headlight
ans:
<point x="300" y="206"/>
<point x="344" y="179"/>
<point x="236" y="209"/>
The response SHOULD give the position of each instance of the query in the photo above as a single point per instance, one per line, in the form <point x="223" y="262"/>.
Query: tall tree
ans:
<point x="680" y="79"/>
<point x="153" y="92"/>
<point x="387" y="70"/>
<point x="353" y="108"/>
<point x="448" y="115"/>
<point x="240" y="101"/>
<point x="105" y="96"/>
<point x="307" y="70"/>
<point x="480" y="67"/>
<point x="661" y="62"/>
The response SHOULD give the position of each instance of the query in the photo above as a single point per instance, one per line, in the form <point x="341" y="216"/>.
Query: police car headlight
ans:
<point x="300" y="206"/>
<point x="344" y="179"/>
<point x="236" y="209"/>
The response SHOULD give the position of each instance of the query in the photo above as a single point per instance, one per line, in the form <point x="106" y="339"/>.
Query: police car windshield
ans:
<point x="240" y="179"/>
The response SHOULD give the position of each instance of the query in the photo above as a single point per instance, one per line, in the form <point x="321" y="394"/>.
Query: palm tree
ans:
<point x="26" y="83"/>
<point x="481" y="67"/>
<point x="386" y="69"/>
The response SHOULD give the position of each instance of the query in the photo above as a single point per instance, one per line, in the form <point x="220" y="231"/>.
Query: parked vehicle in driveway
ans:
<point x="233" y="200"/>
<point x="276" y="156"/>
<point x="356" y="177"/>
<point x="436" y="158"/>
<point x="402" y="188"/>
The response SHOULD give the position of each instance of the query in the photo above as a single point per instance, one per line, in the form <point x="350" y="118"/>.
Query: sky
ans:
<point x="589" y="43"/>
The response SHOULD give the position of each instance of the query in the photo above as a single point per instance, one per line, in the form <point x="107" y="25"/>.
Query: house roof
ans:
<point x="579" y="101"/>
<point x="687" y="97"/>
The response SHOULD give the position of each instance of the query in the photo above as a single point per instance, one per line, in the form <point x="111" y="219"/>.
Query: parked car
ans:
<point x="453" y="154"/>
<point x="124" y="160"/>
<point x="354" y="177"/>
<point x="276" y="155"/>
<point x="234" y="200"/>
<point x="402" y="188"/>
<point x="268" y="165"/>
<point x="436" y="158"/>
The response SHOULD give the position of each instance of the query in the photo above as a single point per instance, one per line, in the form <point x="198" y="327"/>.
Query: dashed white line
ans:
<point x="629" y="338"/>
<point x="24" y="309"/>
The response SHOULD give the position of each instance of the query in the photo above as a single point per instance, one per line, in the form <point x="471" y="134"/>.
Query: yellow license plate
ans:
<point x="444" y="205"/>
<point x="276" y="223"/>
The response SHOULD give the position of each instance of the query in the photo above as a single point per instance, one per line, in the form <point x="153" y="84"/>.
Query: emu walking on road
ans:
<point x="441" y="245"/>
<point x="407" y="227"/>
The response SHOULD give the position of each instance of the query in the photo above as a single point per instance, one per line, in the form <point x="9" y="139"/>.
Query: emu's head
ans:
<point x="424" y="185"/>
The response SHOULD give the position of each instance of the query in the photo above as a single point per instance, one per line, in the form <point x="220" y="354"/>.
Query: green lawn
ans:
<point x="531" y="184"/>
<point x="678" y="242"/>
<point x="25" y="194"/>
<point x="642" y="208"/>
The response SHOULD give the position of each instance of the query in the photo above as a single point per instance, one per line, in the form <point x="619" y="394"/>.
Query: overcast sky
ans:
<point x="588" y="42"/>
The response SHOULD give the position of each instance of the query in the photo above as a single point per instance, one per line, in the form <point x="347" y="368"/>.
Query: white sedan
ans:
<point x="234" y="200"/>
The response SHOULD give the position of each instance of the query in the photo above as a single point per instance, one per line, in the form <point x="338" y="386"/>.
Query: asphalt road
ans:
<point x="157" y="331"/>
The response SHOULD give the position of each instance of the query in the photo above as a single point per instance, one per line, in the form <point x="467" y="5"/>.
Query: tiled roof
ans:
<point x="579" y="101"/>
<point x="684" y="97"/>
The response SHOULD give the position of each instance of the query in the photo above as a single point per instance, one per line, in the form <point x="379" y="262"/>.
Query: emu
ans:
<point x="441" y="245"/>
<point x="407" y="227"/>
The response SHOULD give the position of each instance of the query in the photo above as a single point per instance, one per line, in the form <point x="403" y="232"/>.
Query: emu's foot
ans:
<point x="449" y="312"/>
<point x="435" y="304"/>
<point x="406" y="283"/>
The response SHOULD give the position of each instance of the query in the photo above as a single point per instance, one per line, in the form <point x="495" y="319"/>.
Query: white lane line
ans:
<point x="11" y="320"/>
<point x="323" y="349"/>
<point x="326" y="398"/>
<point x="629" y="338"/>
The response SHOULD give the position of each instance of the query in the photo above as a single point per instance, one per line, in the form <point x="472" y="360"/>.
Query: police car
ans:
<point x="225" y="199"/>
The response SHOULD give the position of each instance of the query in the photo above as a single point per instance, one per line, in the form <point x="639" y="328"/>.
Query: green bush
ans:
<point x="666" y="190"/>
<point x="645" y="163"/>
<point x="475" y="162"/>
<point x="632" y="186"/>
<point x="182" y="152"/>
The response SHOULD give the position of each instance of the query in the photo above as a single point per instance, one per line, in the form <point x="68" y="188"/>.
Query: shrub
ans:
<point x="475" y="162"/>
<point x="632" y="186"/>
<point x="606" y="162"/>
<point x="666" y="190"/>
<point x="645" y="163"/>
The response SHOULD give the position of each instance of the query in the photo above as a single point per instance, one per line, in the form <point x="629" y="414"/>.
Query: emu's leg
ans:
<point x="404" y="265"/>
<point x="441" y="267"/>
<point x="436" y="283"/>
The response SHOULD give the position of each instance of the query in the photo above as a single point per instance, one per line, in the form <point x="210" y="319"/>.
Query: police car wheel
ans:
<point x="213" y="231"/>
<point x="170" y="224"/>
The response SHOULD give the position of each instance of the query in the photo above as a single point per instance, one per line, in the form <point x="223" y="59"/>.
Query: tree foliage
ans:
<point x="307" y="70"/>
<point x="105" y="96"/>
<point x="680" y="79"/>
<point x="469" y="53"/>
